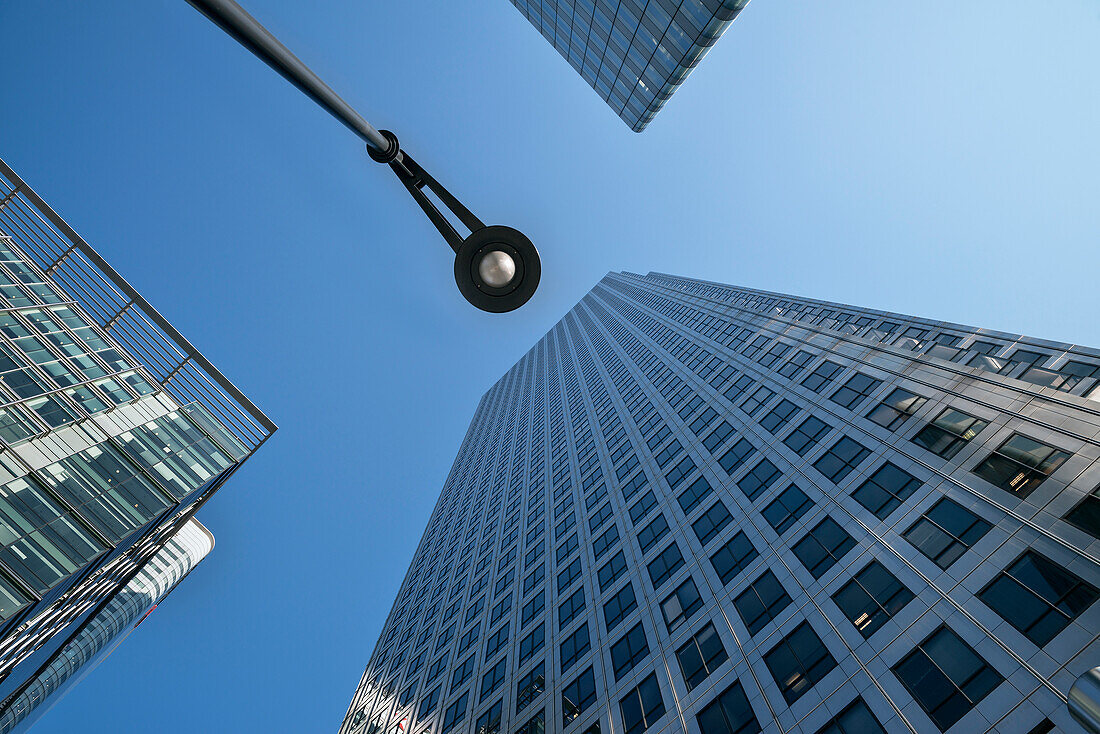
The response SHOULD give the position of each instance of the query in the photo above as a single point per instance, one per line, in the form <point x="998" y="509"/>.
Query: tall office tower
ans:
<point x="110" y="626"/>
<point x="114" y="430"/>
<point x="634" y="53"/>
<point x="699" y="508"/>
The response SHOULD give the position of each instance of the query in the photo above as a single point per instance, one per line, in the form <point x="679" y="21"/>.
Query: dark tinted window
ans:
<point x="761" y="602"/>
<point x="823" y="546"/>
<point x="733" y="557"/>
<point x="701" y="655"/>
<point x="885" y="490"/>
<point x="729" y="713"/>
<point x="873" y="596"/>
<point x="946" y="531"/>
<point x="1038" y="597"/>
<point x="798" y="662"/>
<point x="786" y="509"/>
<point x="643" y="706"/>
<point x="946" y="677"/>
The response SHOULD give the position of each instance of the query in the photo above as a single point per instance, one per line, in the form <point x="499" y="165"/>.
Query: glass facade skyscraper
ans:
<point x="635" y="54"/>
<point x="701" y="508"/>
<point x="114" y="431"/>
<point x="110" y="626"/>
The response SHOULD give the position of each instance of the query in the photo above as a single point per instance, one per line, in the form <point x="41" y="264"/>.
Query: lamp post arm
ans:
<point x="234" y="20"/>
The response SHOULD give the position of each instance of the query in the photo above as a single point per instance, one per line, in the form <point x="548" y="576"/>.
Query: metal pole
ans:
<point x="233" y="19"/>
<point x="1084" y="700"/>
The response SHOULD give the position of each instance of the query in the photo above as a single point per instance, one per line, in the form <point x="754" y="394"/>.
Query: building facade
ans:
<point x="114" y="430"/>
<point x="700" y="508"/>
<point x="110" y="626"/>
<point x="634" y="54"/>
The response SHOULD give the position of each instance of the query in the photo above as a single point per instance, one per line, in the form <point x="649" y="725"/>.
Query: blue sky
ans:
<point x="934" y="160"/>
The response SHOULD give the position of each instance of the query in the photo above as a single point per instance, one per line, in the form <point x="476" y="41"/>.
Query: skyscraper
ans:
<point x="106" y="629"/>
<point x="114" y="430"/>
<point x="704" y="508"/>
<point x="634" y="54"/>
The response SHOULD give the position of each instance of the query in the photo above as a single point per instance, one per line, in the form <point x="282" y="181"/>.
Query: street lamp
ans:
<point x="497" y="268"/>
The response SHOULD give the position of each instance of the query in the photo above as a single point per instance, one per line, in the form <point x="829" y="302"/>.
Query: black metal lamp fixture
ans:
<point x="497" y="268"/>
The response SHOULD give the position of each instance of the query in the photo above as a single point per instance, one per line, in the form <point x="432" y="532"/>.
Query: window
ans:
<point x="570" y="608"/>
<point x="757" y="481"/>
<point x="436" y="668"/>
<point x="1086" y="515"/>
<point x="738" y="454"/>
<point x="534" y="578"/>
<point x="501" y="608"/>
<point x="885" y="490"/>
<point x="855" y="390"/>
<point x="469" y="637"/>
<point x="620" y="605"/>
<point x="690" y="498"/>
<point x="730" y="713"/>
<point x="679" y="472"/>
<point x="681" y="604"/>
<point x="532" y="643"/>
<point x="574" y="646"/>
<point x="705" y="419"/>
<point x="578" y="696"/>
<point x="898" y="405"/>
<point x="530" y="686"/>
<point x="786" y="509"/>
<point x="949" y="432"/>
<point x="600" y="517"/>
<point x="774" y="354"/>
<point x="946" y="677"/>
<point x="946" y="531"/>
<point x="462" y="674"/>
<point x="496" y="640"/>
<point x="823" y="547"/>
<point x="642" y="507"/>
<point x="455" y="712"/>
<point x="610" y="572"/>
<point x="535" y="725"/>
<point x="701" y="655"/>
<point x="839" y="461"/>
<point x="1038" y="597"/>
<point x="569" y="575"/>
<point x="873" y="596"/>
<point x="817" y="380"/>
<point x="718" y="436"/>
<point x="665" y="564"/>
<point x="651" y="533"/>
<point x="489" y="722"/>
<point x="732" y="558"/>
<point x="711" y="522"/>
<point x="802" y="439"/>
<point x="799" y="662"/>
<point x="407" y="695"/>
<point x="642" y="707"/>
<point x="533" y="608"/>
<point x="795" y="364"/>
<point x="1020" y="464"/>
<point x="756" y="401"/>
<point x="427" y="704"/>
<point x="630" y="650"/>
<point x="605" y="542"/>
<point x="779" y="416"/>
<point x="761" y="602"/>
<point x="565" y="549"/>
<point x="855" y="719"/>
<point x="668" y="453"/>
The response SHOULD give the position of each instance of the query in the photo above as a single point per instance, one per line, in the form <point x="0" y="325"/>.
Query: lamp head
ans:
<point x="497" y="269"/>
